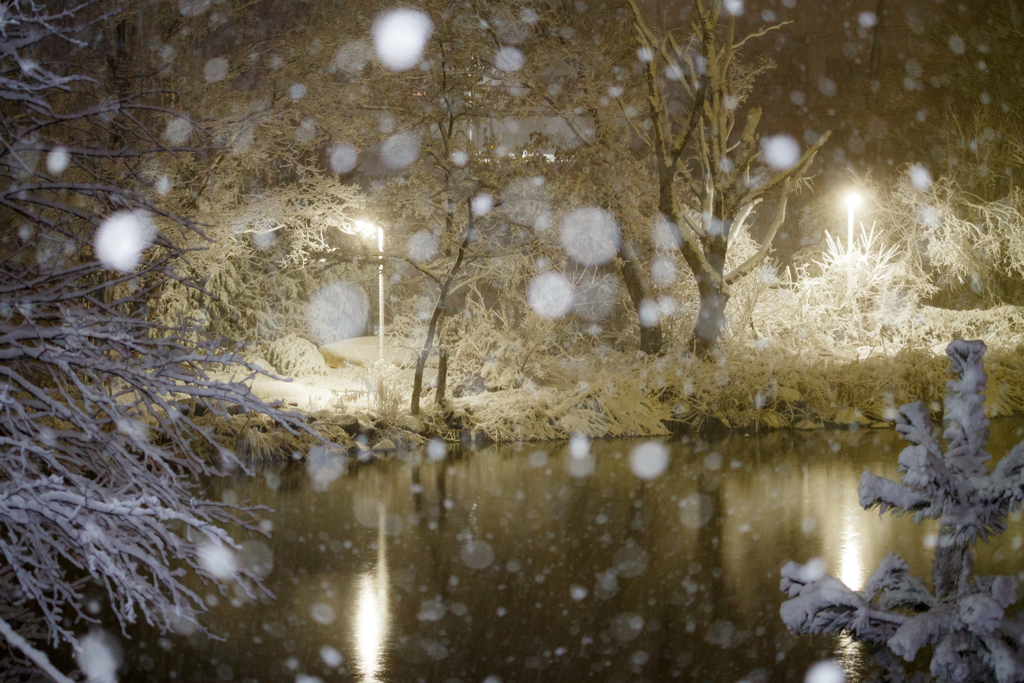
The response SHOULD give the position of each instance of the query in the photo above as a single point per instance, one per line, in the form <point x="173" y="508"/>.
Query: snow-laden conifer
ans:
<point x="963" y="617"/>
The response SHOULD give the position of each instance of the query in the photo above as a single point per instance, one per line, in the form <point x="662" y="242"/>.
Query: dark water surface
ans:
<point x="523" y="563"/>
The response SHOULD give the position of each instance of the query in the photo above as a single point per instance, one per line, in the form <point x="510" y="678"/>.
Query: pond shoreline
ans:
<point x="364" y="436"/>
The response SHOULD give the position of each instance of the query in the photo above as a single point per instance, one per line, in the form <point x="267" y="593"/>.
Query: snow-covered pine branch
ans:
<point x="963" y="617"/>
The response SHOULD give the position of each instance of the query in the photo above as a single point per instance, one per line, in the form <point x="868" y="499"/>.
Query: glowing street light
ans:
<point x="852" y="202"/>
<point x="368" y="229"/>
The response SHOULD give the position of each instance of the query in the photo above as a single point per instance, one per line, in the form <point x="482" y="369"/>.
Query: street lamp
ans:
<point x="852" y="202"/>
<point x="367" y="229"/>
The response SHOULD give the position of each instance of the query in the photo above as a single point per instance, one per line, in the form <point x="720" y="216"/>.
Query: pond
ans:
<point x="530" y="563"/>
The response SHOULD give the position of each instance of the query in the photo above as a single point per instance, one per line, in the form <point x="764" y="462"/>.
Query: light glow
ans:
<point x="366" y="229"/>
<point x="853" y="200"/>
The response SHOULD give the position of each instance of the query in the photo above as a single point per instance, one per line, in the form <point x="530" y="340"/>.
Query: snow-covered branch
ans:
<point x="963" y="617"/>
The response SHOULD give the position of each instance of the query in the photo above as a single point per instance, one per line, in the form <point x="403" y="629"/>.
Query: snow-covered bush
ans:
<point x="295" y="356"/>
<point x="963" y="617"/>
<point x="98" y="481"/>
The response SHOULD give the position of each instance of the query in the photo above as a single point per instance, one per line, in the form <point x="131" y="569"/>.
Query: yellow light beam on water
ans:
<point x="371" y="618"/>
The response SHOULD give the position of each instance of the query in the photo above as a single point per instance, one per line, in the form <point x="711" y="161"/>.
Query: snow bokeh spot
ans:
<point x="322" y="614"/>
<point x="663" y="270"/>
<point x="57" y="160"/>
<point x="178" y="131"/>
<point x="324" y="465"/>
<point x="216" y="69"/>
<point x="422" y="246"/>
<point x="98" y="656"/>
<point x="590" y="236"/>
<point x="437" y="449"/>
<point x="649" y="460"/>
<point x="338" y="311"/>
<point x="343" y="158"/>
<point x="477" y="554"/>
<point x="297" y="91"/>
<point x="781" y="152"/>
<point x="256" y="557"/>
<point x="733" y="7"/>
<point x="666" y="234"/>
<point x="625" y="627"/>
<point x="827" y="671"/>
<point x="482" y="204"/>
<point x="550" y="295"/>
<point x="351" y="57"/>
<point x="400" y="36"/>
<point x="579" y="446"/>
<point x="121" y="239"/>
<point x="649" y="313"/>
<point x="306" y="130"/>
<point x="331" y="657"/>
<point x="596" y="296"/>
<point x="867" y="19"/>
<point x="696" y="510"/>
<point x="460" y="158"/>
<point x="193" y="8"/>
<point x="400" y="150"/>
<point x="163" y="185"/>
<point x="218" y="560"/>
<point x="527" y="201"/>
<point x="920" y="177"/>
<point x="509" y="59"/>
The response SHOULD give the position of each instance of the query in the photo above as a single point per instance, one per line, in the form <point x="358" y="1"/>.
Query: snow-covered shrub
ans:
<point x="294" y="356"/>
<point x="98" y="481"/>
<point x="963" y="617"/>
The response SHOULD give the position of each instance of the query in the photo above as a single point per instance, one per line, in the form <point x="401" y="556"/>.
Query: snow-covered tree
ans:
<point x="963" y="616"/>
<point x="98" y="403"/>
<point x="712" y="170"/>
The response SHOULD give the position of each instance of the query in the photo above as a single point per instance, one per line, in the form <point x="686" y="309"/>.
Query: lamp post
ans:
<point x="380" y="290"/>
<point x="852" y="202"/>
<point x="368" y="229"/>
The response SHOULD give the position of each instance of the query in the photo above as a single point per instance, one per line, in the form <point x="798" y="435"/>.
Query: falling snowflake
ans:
<point x="98" y="657"/>
<point x="422" y="246"/>
<point x="343" y="158"/>
<point x="509" y="59"/>
<point x="781" y="152"/>
<point x="550" y="295"/>
<point x="218" y="560"/>
<point x="215" y="70"/>
<point x="920" y="177"/>
<point x="400" y="150"/>
<point x="178" y="131"/>
<point x="338" y="311"/>
<point x="649" y="460"/>
<point x="590" y="236"/>
<point x="400" y="36"/>
<point x="482" y="204"/>
<point x="57" y="160"/>
<point x="121" y="239"/>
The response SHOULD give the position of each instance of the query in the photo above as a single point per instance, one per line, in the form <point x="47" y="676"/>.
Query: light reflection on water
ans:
<point x="581" y="576"/>
<point x="371" y="614"/>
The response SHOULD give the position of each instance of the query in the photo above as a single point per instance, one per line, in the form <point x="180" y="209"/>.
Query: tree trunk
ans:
<point x="650" y="337"/>
<point x="707" y="330"/>
<point x="442" y="375"/>
<point x="714" y="296"/>
<point x="442" y="299"/>
<point x="952" y="564"/>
